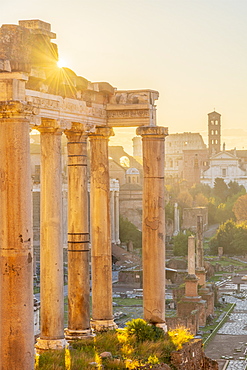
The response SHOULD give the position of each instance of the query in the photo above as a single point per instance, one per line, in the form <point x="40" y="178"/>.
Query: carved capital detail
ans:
<point x="17" y="109"/>
<point x="105" y="132"/>
<point x="155" y="131"/>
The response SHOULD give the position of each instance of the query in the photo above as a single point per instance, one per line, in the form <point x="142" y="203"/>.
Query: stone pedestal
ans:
<point x="16" y="257"/>
<point x="153" y="229"/>
<point x="102" y="313"/>
<point x="51" y="246"/>
<point x="201" y="275"/>
<point x="78" y="237"/>
<point x="191" y="288"/>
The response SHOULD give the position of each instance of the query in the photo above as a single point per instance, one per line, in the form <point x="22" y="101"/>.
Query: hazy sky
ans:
<point x="194" y="52"/>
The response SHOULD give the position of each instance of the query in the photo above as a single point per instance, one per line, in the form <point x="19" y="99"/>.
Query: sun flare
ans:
<point x="61" y="63"/>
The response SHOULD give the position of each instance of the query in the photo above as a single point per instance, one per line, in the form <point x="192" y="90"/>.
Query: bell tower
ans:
<point x="214" y="132"/>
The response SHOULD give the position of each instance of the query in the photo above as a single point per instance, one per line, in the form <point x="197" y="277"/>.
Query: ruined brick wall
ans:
<point x="192" y="357"/>
<point x="191" y="322"/>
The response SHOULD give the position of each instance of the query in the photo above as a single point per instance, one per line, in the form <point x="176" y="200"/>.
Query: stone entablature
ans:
<point x="29" y="72"/>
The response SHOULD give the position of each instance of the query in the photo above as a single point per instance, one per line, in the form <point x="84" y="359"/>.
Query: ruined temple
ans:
<point x="36" y="94"/>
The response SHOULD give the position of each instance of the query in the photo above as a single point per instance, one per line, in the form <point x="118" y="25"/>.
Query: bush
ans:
<point x="128" y="231"/>
<point x="180" y="243"/>
<point x="142" y="331"/>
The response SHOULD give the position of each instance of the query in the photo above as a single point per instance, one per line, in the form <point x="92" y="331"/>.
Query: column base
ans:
<point x="103" y="325"/>
<point x="50" y="344"/>
<point x="71" y="335"/>
<point x="162" y="325"/>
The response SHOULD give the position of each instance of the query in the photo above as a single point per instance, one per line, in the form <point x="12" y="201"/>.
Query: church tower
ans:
<point x="214" y="132"/>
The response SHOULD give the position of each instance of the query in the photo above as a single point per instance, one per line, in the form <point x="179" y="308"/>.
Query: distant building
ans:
<point x="227" y="166"/>
<point x="185" y="157"/>
<point x="214" y="132"/>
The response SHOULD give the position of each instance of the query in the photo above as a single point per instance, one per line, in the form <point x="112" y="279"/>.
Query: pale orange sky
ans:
<point x="194" y="52"/>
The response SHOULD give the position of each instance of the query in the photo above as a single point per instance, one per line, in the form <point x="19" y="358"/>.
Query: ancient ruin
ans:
<point x="36" y="94"/>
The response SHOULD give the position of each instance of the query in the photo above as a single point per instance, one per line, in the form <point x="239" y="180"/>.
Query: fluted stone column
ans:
<point x="51" y="244"/>
<point x="153" y="224"/>
<point x="78" y="237"/>
<point x="16" y="256"/>
<point x="102" y="313"/>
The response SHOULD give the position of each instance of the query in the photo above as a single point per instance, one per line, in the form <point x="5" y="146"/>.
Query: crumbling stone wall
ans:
<point x="192" y="357"/>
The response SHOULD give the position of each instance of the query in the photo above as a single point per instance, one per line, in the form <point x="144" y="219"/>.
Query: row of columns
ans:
<point x="16" y="275"/>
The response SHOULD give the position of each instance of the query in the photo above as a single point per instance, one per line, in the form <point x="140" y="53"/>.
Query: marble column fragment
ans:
<point x="51" y="244"/>
<point x="78" y="237"/>
<point x="16" y="256"/>
<point x="153" y="224"/>
<point x="101" y="269"/>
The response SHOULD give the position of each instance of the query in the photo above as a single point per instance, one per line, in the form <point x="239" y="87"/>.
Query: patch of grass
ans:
<point x="140" y="344"/>
<point x="127" y="302"/>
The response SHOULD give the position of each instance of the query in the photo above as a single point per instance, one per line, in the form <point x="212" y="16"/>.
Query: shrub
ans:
<point x="142" y="331"/>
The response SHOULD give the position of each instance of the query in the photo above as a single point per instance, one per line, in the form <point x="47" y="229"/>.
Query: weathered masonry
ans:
<point x="35" y="93"/>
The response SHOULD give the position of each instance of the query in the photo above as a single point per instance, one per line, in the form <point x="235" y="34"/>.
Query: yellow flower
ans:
<point x="153" y="360"/>
<point x="36" y="365"/>
<point x="98" y="359"/>
<point x="132" y="364"/>
<point x="67" y="359"/>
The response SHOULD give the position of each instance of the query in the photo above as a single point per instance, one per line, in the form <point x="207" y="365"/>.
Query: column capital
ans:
<point x="16" y="109"/>
<point x="152" y="131"/>
<point x="49" y="125"/>
<point x="104" y="132"/>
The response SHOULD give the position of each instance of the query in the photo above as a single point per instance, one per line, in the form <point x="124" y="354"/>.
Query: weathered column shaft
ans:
<point x="51" y="245"/>
<point x="102" y="313"/>
<point x="117" y="217"/>
<point x="113" y="216"/>
<point x="78" y="237"/>
<point x="16" y="259"/>
<point x="153" y="230"/>
<point x="191" y="255"/>
<point x="199" y="245"/>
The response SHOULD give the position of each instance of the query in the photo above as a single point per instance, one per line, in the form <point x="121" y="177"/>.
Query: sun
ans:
<point x="61" y="63"/>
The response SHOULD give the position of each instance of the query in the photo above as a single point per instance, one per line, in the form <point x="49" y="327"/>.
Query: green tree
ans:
<point x="128" y="231"/>
<point x="180" y="243"/>
<point x="220" y="189"/>
<point x="224" y="238"/>
<point x="240" y="208"/>
<point x="185" y="200"/>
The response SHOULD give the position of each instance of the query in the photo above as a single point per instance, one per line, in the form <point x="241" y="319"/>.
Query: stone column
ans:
<point x="200" y="270"/>
<point x="113" y="217"/>
<point x="176" y="219"/>
<point x="117" y="216"/>
<point x="78" y="237"/>
<point x="16" y="256"/>
<point x="101" y="270"/>
<point x="191" y="281"/>
<point x="191" y="255"/>
<point x="153" y="224"/>
<point x="51" y="244"/>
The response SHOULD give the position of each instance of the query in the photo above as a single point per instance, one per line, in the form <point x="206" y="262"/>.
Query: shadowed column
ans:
<point x="153" y="224"/>
<point x="16" y="259"/>
<point x="51" y="246"/>
<point x="78" y="237"/>
<point x="102" y="313"/>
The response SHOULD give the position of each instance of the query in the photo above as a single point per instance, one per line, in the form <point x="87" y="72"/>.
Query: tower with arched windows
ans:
<point x="214" y="132"/>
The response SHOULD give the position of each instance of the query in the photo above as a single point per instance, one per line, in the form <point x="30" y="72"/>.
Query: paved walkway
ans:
<point x="230" y="342"/>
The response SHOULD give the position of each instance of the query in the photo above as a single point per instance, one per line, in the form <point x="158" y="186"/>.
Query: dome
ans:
<point x="132" y="171"/>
